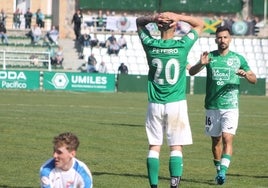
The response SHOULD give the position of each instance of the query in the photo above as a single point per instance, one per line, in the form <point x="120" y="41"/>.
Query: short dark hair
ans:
<point x="165" y="25"/>
<point x="223" y="28"/>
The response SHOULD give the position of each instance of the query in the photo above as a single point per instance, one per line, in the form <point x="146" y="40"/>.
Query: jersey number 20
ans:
<point x="171" y="64"/>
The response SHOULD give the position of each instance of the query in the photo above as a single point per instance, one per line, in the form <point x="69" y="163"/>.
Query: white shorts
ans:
<point x="171" y="118"/>
<point x="219" y="121"/>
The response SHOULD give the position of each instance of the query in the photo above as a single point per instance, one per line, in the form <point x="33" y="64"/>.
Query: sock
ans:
<point x="175" y="164"/>
<point x="153" y="168"/>
<point x="175" y="168"/>
<point x="217" y="164"/>
<point x="225" y="162"/>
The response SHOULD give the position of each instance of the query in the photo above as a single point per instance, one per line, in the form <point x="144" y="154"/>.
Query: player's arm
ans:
<point x="141" y="22"/>
<point x="204" y="59"/>
<point x="249" y="75"/>
<point x="196" y="22"/>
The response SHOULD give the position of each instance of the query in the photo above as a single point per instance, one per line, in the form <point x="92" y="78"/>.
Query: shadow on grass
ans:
<point x="206" y="182"/>
<point x="123" y="124"/>
<point x="249" y="176"/>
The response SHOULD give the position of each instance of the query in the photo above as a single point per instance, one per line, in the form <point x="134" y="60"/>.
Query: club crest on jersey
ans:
<point x="230" y="62"/>
<point x="233" y="62"/>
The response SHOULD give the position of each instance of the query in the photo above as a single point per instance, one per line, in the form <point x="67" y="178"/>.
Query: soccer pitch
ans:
<point x="113" y="143"/>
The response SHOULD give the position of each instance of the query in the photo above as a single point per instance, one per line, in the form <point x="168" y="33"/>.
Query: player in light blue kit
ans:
<point x="64" y="170"/>
<point x="167" y="108"/>
<point x="224" y="69"/>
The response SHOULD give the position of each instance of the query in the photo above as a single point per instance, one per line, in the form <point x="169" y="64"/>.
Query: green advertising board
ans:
<point x="138" y="83"/>
<point x="79" y="81"/>
<point x="12" y="79"/>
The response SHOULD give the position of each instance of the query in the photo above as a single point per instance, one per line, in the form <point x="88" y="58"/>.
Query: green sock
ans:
<point x="225" y="162"/>
<point x="217" y="165"/>
<point x="153" y="168"/>
<point x="175" y="166"/>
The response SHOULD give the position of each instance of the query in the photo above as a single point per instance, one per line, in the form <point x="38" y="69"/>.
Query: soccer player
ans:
<point x="224" y="69"/>
<point x="167" y="107"/>
<point x="64" y="170"/>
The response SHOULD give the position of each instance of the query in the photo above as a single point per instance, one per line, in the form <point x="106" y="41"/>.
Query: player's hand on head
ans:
<point x="167" y="17"/>
<point x="170" y="16"/>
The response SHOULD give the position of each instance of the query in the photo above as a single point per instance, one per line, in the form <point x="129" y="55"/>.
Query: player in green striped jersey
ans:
<point x="224" y="69"/>
<point x="167" y="108"/>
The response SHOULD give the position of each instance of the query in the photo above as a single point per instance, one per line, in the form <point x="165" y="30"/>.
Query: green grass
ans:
<point x="113" y="140"/>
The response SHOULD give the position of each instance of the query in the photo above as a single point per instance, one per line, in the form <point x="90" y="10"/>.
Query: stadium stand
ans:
<point x="20" y="53"/>
<point x="254" y="49"/>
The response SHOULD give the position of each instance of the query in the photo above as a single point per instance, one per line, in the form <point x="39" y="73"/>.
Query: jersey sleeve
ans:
<point x="45" y="170"/>
<point x="189" y="39"/>
<point x="85" y="174"/>
<point x="244" y="63"/>
<point x="145" y="36"/>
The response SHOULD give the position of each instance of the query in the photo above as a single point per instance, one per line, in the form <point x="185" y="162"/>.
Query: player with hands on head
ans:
<point x="224" y="69"/>
<point x="167" y="106"/>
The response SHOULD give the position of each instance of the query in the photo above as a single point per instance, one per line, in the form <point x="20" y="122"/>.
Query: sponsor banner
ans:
<point x="11" y="79"/>
<point x="79" y="81"/>
<point x="122" y="23"/>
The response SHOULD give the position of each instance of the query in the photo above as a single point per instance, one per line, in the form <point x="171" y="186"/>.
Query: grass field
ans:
<point x="113" y="141"/>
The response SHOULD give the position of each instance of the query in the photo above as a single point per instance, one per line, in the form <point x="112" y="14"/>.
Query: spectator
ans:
<point x="102" y="68"/>
<point x="35" y="34"/>
<point x="40" y="17"/>
<point x="90" y="22"/>
<point x="110" y="40"/>
<point x="100" y="21"/>
<point x="105" y="16"/>
<point x="250" y="25"/>
<point x="91" y="64"/>
<point x="58" y="58"/>
<point x="77" y="21"/>
<point x="3" y="17"/>
<point x="84" y="41"/>
<point x="94" y="42"/>
<point x="53" y="35"/>
<point x="113" y="48"/>
<point x="122" y="42"/>
<point x="228" y="22"/>
<point x="64" y="170"/>
<point x="16" y="19"/>
<point x="85" y="37"/>
<point x="256" y="28"/>
<point x="28" y="19"/>
<point x="3" y="34"/>
<point x="122" y="69"/>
